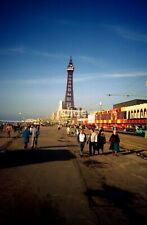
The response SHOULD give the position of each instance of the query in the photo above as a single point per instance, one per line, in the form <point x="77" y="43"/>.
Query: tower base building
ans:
<point x="70" y="115"/>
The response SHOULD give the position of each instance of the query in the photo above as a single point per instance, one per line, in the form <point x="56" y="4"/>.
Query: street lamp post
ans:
<point x="100" y="111"/>
<point x="20" y="113"/>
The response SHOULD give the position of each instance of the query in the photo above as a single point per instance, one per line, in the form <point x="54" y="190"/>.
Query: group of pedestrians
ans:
<point x="10" y="129"/>
<point x="7" y="129"/>
<point x="97" y="141"/>
<point x="74" y="130"/>
<point x="33" y="133"/>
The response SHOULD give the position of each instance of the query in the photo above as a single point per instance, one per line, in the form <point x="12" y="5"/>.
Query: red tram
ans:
<point x="127" y="116"/>
<point x="117" y="117"/>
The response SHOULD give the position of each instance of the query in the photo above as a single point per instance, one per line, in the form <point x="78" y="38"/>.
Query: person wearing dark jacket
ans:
<point x="101" y="140"/>
<point x="26" y="137"/>
<point x="114" y="143"/>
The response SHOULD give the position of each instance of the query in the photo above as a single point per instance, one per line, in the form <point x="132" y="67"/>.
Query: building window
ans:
<point x="141" y="113"/>
<point x="128" y="114"/>
<point x="132" y="115"/>
<point x="145" y="113"/>
<point x="137" y="113"/>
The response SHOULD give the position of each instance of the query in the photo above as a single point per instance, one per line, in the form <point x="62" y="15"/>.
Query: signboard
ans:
<point x="91" y="118"/>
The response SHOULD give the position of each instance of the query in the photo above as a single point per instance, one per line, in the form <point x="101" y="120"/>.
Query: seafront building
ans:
<point x="70" y="115"/>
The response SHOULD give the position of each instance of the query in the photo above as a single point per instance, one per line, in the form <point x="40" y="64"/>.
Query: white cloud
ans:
<point x="95" y="76"/>
<point x="128" y="74"/>
<point x="19" y="50"/>
<point x="23" y="50"/>
<point x="135" y="36"/>
<point x="128" y="34"/>
<point x="43" y="81"/>
<point x="77" y="78"/>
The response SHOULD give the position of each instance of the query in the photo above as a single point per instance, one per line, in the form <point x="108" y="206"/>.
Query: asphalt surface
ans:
<point x="54" y="185"/>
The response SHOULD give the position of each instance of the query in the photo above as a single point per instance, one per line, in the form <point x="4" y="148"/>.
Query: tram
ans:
<point x="127" y="118"/>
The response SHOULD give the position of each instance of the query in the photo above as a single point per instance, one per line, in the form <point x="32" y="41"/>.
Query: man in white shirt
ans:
<point x="81" y="140"/>
<point x="35" y="133"/>
<point x="92" y="142"/>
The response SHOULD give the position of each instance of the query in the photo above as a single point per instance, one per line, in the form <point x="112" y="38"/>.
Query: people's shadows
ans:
<point x="30" y="207"/>
<point x="95" y="164"/>
<point x="58" y="146"/>
<point x="110" y="199"/>
<point x="6" y="145"/>
<point x="26" y="157"/>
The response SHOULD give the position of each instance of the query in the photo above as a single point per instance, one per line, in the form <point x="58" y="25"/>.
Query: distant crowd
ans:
<point x="8" y="128"/>
<point x="27" y="132"/>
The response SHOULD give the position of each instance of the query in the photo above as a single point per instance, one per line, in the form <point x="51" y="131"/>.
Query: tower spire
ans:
<point x="69" y="97"/>
<point x="70" y="60"/>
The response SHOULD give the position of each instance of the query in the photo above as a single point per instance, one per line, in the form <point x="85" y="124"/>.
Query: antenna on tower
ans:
<point x="70" y="60"/>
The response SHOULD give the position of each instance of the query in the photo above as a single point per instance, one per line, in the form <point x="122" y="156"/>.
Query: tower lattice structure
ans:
<point x="69" y="96"/>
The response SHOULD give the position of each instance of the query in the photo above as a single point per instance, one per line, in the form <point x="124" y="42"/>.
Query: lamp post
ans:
<point x="100" y="111"/>
<point x="20" y="113"/>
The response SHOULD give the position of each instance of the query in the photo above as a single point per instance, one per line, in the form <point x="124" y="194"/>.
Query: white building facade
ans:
<point x="136" y="111"/>
<point x="70" y="114"/>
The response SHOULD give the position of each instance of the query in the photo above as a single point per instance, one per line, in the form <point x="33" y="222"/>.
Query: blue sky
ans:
<point x="107" y="40"/>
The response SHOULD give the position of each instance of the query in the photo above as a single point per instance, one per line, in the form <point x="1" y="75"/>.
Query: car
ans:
<point x="140" y="132"/>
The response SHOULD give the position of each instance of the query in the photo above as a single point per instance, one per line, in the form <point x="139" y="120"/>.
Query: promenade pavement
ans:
<point x="54" y="185"/>
<point x="6" y="141"/>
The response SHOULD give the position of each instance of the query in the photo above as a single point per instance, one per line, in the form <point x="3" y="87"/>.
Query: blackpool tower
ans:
<point x="69" y="96"/>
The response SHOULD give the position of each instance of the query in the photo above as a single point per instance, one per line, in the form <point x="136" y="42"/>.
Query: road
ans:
<point x="53" y="185"/>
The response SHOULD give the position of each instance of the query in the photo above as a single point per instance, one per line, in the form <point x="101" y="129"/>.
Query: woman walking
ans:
<point x="26" y="137"/>
<point x="101" y="140"/>
<point x="114" y="143"/>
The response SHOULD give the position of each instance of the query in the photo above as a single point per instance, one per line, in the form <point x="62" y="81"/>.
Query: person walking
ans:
<point x="77" y="130"/>
<point x="26" y="137"/>
<point x="68" y="130"/>
<point x="91" y="142"/>
<point x="114" y="143"/>
<point x="101" y="140"/>
<point x="8" y="130"/>
<point x="81" y="138"/>
<point x="34" y="134"/>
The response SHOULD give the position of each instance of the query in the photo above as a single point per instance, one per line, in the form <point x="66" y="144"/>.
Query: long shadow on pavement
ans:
<point x="58" y="146"/>
<point x="118" y="204"/>
<point x="29" y="208"/>
<point x="26" y="157"/>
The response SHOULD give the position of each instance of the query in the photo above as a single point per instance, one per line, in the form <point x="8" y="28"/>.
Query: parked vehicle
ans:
<point x="140" y="132"/>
